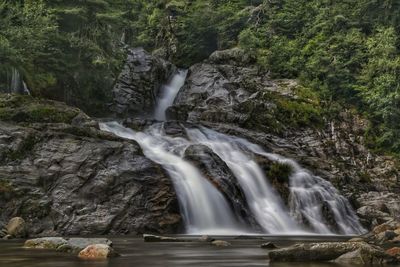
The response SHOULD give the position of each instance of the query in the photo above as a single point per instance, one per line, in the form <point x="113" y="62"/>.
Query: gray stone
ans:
<point x="156" y="238"/>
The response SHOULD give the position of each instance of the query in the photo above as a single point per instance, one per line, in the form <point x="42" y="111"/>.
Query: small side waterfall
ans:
<point x="205" y="209"/>
<point x="17" y="84"/>
<point x="168" y="94"/>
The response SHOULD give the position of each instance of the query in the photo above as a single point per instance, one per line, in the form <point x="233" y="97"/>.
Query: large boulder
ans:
<point x="68" y="179"/>
<point x="16" y="227"/>
<point x="349" y="252"/>
<point x="97" y="252"/>
<point x="139" y="82"/>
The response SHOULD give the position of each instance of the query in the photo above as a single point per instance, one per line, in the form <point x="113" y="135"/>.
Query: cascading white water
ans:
<point x="263" y="201"/>
<point x="204" y="209"/>
<point x="308" y="192"/>
<point x="168" y="94"/>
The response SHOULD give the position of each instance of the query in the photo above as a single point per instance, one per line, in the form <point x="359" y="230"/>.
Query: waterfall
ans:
<point x="168" y="94"/>
<point x="204" y="208"/>
<point x="309" y="194"/>
<point x="264" y="202"/>
<point x="17" y="84"/>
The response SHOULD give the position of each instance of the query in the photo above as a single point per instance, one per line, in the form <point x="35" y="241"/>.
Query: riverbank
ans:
<point x="135" y="252"/>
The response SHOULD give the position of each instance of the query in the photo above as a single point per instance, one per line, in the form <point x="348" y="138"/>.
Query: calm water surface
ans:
<point x="136" y="253"/>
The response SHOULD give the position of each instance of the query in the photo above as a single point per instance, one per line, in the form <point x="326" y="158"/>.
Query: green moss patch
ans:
<point x="279" y="172"/>
<point x="19" y="108"/>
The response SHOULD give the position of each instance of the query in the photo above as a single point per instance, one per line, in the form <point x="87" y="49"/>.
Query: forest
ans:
<point x="346" y="51"/>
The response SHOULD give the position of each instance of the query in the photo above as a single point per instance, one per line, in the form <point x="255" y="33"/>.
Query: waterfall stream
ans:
<point x="204" y="208"/>
<point x="168" y="94"/>
<point x="17" y="84"/>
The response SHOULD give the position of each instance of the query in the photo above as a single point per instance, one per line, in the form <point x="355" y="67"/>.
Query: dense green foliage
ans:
<point x="346" y="51"/>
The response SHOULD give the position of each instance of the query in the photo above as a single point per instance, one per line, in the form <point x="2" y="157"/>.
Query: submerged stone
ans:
<point x="268" y="245"/>
<point x="156" y="238"/>
<point x="221" y="243"/>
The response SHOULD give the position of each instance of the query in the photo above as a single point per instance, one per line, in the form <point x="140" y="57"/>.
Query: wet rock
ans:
<point x="329" y="251"/>
<point x="97" y="252"/>
<point x="16" y="227"/>
<point x="395" y="240"/>
<point x="3" y="232"/>
<point x="389" y="226"/>
<point x="219" y="174"/>
<point x="220" y="243"/>
<point x="7" y="237"/>
<point x="361" y="257"/>
<point x="395" y="252"/>
<point x="46" y="243"/>
<point x="139" y="82"/>
<point x="268" y="245"/>
<point x="156" y="238"/>
<point x="74" y="245"/>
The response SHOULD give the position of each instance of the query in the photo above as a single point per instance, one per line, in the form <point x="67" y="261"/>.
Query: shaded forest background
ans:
<point x="346" y="51"/>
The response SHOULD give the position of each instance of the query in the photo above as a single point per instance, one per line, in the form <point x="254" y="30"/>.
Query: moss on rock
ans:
<point x="23" y="108"/>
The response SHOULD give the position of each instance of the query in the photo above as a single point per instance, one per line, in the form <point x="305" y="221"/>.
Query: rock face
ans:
<point x="231" y="95"/>
<point x="139" y="82"/>
<point x="69" y="180"/>
<point x="343" y="252"/>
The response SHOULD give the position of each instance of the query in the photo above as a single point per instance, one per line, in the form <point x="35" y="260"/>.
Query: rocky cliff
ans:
<point x="64" y="176"/>
<point x="230" y="94"/>
<point x="139" y="82"/>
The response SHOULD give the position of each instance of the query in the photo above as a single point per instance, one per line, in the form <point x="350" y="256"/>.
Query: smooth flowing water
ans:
<point x="168" y="94"/>
<point x="264" y="202"/>
<point x="309" y="194"/>
<point x="204" y="208"/>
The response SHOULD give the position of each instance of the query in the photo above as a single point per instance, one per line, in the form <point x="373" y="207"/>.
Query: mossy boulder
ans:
<point x="27" y="109"/>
